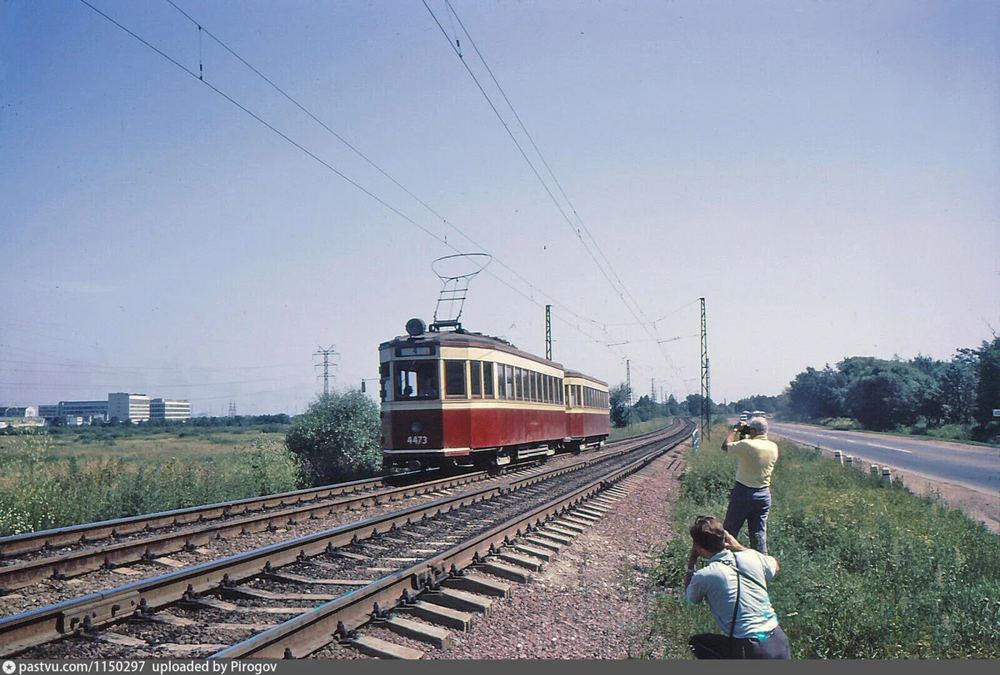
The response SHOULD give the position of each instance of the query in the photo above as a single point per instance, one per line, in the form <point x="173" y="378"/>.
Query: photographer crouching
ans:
<point x="734" y="584"/>
<point x="750" y="499"/>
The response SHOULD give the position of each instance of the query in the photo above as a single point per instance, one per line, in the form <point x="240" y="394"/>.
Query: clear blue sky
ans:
<point x="825" y="174"/>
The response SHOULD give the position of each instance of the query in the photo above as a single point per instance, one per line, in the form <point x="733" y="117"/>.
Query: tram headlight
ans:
<point x="417" y="427"/>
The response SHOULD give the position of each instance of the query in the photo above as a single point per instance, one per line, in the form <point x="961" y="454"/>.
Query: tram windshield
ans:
<point x="415" y="380"/>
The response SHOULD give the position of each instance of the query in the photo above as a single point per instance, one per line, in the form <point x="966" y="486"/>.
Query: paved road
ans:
<point x="971" y="466"/>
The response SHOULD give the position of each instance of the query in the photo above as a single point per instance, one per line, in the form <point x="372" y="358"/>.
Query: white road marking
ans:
<point x="889" y="447"/>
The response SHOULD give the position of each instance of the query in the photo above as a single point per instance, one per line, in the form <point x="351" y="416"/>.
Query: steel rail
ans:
<point x="105" y="529"/>
<point x="337" y="619"/>
<point x="47" y="624"/>
<point x="21" y="575"/>
<point x="31" y="542"/>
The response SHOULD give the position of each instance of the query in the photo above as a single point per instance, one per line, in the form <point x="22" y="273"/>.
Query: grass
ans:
<point x="193" y="444"/>
<point x="42" y="486"/>
<point x="868" y="570"/>
<point x="639" y="428"/>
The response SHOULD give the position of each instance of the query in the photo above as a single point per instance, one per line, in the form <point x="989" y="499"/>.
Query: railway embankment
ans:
<point x="869" y="570"/>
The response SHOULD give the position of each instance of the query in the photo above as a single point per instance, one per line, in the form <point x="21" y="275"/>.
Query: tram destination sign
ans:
<point x="996" y="412"/>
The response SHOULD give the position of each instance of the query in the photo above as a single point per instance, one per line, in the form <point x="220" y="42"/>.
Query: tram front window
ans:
<point x="415" y="380"/>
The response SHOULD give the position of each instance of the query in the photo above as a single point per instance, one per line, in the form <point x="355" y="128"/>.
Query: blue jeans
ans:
<point x="749" y="505"/>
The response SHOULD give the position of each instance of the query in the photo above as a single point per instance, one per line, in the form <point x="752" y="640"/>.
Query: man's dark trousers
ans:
<point x="715" y="646"/>
<point x="749" y="505"/>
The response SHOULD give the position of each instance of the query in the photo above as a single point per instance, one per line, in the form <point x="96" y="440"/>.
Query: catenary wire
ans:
<point x="375" y="166"/>
<point x="339" y="173"/>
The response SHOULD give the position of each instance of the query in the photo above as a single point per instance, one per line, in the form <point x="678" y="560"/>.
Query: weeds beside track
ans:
<point x="868" y="570"/>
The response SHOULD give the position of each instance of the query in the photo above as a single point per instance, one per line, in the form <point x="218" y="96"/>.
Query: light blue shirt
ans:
<point x="716" y="584"/>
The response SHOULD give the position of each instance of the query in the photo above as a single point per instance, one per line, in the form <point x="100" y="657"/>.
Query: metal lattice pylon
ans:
<point x="455" y="280"/>
<point x="706" y="386"/>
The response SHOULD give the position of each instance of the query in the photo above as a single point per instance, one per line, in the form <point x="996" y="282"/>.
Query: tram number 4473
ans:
<point x="416" y="440"/>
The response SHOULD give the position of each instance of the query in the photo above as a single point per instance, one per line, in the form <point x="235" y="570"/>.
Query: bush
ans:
<point x="338" y="438"/>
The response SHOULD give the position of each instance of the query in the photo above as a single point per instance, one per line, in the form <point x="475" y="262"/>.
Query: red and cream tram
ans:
<point x="461" y="398"/>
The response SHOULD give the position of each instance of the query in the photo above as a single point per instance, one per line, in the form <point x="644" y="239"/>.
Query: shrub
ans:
<point x="338" y="438"/>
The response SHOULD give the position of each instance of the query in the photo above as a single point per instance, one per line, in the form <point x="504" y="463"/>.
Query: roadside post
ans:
<point x="885" y="475"/>
<point x="839" y="457"/>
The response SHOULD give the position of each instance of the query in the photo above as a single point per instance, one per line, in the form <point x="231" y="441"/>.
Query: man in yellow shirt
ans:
<point x="750" y="499"/>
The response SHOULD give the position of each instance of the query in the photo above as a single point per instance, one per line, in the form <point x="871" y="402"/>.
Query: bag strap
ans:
<point x="736" y="605"/>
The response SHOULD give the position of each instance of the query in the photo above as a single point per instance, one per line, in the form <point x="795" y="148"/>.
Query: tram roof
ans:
<point x="464" y="338"/>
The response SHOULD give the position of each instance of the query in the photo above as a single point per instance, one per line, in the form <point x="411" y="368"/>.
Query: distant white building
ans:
<point x="166" y="409"/>
<point x="132" y="407"/>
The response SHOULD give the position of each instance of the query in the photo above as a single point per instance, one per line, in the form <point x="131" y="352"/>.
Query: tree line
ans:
<point x="922" y="394"/>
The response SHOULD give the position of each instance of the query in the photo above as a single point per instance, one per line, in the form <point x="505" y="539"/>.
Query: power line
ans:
<point x="542" y="157"/>
<point x="644" y="320"/>
<point x="367" y="192"/>
<point x="384" y="173"/>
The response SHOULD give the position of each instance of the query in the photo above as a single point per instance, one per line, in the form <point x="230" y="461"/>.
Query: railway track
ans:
<point x="333" y="581"/>
<point x="68" y="552"/>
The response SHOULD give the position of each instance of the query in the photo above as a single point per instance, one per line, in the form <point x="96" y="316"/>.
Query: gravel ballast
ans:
<point x="593" y="600"/>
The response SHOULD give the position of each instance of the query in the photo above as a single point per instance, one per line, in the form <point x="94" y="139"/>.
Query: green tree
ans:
<point x="621" y="412"/>
<point x="816" y="394"/>
<point x="673" y="407"/>
<point x="693" y="404"/>
<point x="958" y="385"/>
<point x="645" y="409"/>
<point x="338" y="438"/>
<point x="988" y="388"/>
<point x="883" y="394"/>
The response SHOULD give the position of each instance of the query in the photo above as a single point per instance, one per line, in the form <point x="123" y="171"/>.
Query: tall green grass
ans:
<point x="39" y="491"/>
<point x="868" y="570"/>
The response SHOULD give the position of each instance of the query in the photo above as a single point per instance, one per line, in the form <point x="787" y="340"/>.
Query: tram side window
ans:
<point x="533" y="377"/>
<point x="547" y="388"/>
<point x="487" y="379"/>
<point x="509" y="374"/>
<point x="501" y="382"/>
<point x="519" y="383"/>
<point x="454" y="379"/>
<point x="415" y="380"/>
<point x="384" y="376"/>
<point x="476" y="375"/>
